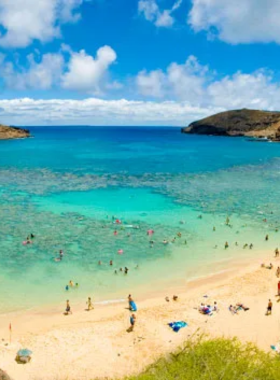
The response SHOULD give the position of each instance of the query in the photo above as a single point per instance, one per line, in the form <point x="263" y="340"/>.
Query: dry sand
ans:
<point x="95" y="344"/>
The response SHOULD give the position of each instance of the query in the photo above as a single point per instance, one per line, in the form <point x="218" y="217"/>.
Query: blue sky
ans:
<point x="136" y="62"/>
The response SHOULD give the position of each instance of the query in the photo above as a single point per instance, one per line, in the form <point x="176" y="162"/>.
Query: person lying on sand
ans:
<point x="233" y="310"/>
<point x="242" y="306"/>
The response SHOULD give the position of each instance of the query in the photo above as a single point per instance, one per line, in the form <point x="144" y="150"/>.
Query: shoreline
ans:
<point x="100" y="336"/>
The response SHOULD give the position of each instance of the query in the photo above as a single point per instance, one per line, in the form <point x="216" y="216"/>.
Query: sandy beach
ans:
<point x="88" y="345"/>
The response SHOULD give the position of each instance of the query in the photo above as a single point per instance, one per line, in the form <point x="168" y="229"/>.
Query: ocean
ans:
<point x="96" y="192"/>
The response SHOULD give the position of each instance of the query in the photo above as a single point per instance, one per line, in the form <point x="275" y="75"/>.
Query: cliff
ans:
<point x="239" y="123"/>
<point x="7" y="133"/>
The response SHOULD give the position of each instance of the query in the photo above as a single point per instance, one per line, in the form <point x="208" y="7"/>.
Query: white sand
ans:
<point x="86" y="345"/>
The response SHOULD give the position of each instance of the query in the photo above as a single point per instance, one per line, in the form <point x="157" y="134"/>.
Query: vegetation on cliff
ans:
<point x="239" y="123"/>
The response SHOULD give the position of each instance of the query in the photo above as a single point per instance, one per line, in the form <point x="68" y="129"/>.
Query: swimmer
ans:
<point x="99" y="262"/>
<point x="227" y="221"/>
<point x="115" y="233"/>
<point x="214" y="229"/>
<point x="66" y="287"/>
<point x="76" y="285"/>
<point x="165" y="242"/>
<point x="89" y="303"/>
<point x="116" y="272"/>
<point x="71" y="283"/>
<point x="236" y="244"/>
<point x="179" y="234"/>
<point x="186" y="242"/>
<point x="199" y="216"/>
<point x="121" y="270"/>
<point x="32" y="236"/>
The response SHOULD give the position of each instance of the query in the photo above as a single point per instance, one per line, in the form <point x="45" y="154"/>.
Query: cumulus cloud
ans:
<point x="151" y="11"/>
<point x="85" y="73"/>
<point x="200" y="86"/>
<point x="183" y="81"/>
<point x="42" y="74"/>
<point x="94" y="111"/>
<point x="26" y="20"/>
<point x="239" y="21"/>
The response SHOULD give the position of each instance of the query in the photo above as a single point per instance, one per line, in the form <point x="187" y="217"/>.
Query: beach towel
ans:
<point x="133" y="306"/>
<point x="176" y="326"/>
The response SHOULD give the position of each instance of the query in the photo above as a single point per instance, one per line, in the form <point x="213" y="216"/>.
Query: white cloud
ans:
<point x="200" y="87"/>
<point x="152" y="12"/>
<point x="94" y="111"/>
<point x="40" y="75"/>
<point x="151" y="84"/>
<point x="28" y="20"/>
<point x="239" y="21"/>
<point x="86" y="73"/>
<point x="184" y="81"/>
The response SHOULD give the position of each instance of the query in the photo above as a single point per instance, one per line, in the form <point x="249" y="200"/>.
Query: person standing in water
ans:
<point x="266" y="238"/>
<point x="226" y="245"/>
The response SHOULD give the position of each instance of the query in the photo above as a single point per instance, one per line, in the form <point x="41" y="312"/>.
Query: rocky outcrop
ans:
<point x="7" y="133"/>
<point x="252" y="123"/>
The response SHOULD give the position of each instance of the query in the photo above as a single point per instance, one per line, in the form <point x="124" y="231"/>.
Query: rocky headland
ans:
<point x="245" y="122"/>
<point x="8" y="133"/>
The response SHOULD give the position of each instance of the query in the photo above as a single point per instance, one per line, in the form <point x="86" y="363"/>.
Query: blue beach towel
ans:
<point x="176" y="326"/>
<point x="133" y="306"/>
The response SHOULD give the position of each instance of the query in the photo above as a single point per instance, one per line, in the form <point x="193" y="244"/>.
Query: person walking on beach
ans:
<point x="132" y="322"/>
<point x="278" y="288"/>
<point x="276" y="252"/>
<point x="89" y="303"/>
<point x="269" y="307"/>
<point x="68" y="308"/>
<point x="278" y="272"/>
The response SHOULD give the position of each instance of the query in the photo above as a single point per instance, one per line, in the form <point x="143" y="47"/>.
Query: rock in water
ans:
<point x="4" y="376"/>
<point x="243" y="122"/>
<point x="7" y="133"/>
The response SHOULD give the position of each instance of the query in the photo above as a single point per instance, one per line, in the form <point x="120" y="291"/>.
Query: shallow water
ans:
<point x="68" y="185"/>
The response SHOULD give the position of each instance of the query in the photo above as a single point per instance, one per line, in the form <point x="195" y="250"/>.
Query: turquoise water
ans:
<point x="67" y="185"/>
